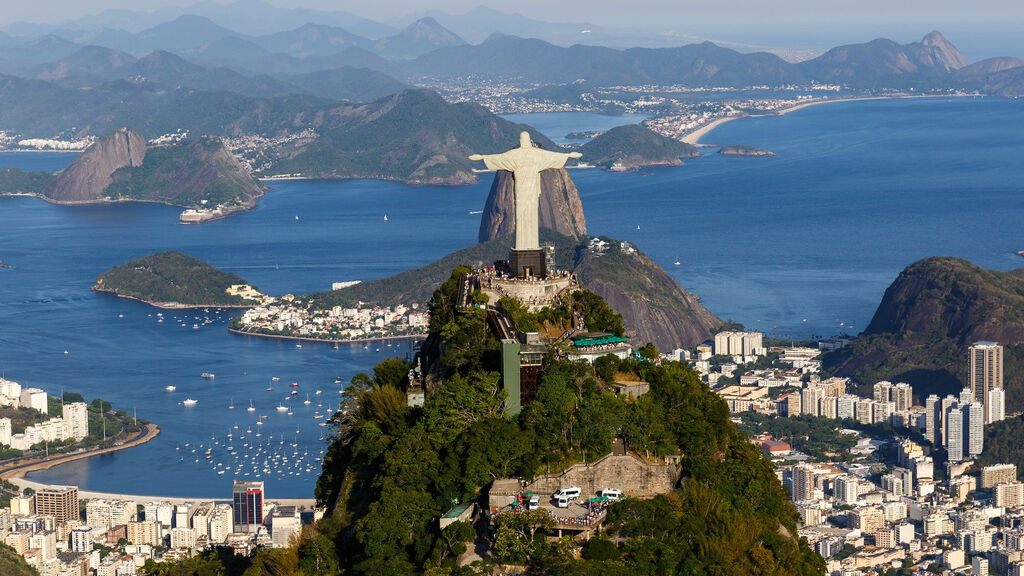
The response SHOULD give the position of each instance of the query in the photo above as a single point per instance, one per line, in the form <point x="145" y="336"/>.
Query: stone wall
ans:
<point x="627" y="473"/>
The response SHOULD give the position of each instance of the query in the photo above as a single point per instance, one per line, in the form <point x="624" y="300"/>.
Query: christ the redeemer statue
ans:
<point x="525" y="163"/>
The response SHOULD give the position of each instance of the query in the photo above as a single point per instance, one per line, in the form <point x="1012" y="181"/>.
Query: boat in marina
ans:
<point x="294" y="385"/>
<point x="190" y="402"/>
<point x="281" y="408"/>
<point x="251" y="408"/>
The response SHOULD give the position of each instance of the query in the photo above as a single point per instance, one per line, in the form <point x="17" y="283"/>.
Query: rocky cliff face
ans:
<point x="90" y="174"/>
<point x="560" y="207"/>
<point x="654" y="307"/>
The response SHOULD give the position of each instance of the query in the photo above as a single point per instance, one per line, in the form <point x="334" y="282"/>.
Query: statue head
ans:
<point x="524" y="140"/>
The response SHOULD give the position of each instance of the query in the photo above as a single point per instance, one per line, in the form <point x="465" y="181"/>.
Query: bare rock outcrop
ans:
<point x="654" y="307"/>
<point x="89" y="175"/>
<point x="560" y="207"/>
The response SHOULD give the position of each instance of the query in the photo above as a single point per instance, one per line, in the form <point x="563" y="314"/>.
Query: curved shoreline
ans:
<point x="695" y="136"/>
<point x="165" y="305"/>
<point x="326" y="340"/>
<point x="18" y="471"/>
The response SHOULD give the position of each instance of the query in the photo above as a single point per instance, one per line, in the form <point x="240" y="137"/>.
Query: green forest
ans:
<point x="393" y="470"/>
<point x="171" y="277"/>
<point x="12" y="564"/>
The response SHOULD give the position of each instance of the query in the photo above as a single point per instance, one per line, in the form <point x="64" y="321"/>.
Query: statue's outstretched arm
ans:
<point x="496" y="161"/>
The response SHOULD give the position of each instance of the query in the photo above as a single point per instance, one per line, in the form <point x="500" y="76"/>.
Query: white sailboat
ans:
<point x="251" y="408"/>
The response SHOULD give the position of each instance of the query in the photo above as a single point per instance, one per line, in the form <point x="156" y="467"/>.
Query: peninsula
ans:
<point x="175" y="280"/>
<point x="199" y="174"/>
<point x="634" y="146"/>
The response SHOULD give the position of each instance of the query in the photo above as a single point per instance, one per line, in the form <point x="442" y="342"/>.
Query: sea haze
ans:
<point x="856" y="192"/>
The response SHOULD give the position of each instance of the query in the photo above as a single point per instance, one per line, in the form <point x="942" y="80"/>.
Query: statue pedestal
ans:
<point x="528" y="263"/>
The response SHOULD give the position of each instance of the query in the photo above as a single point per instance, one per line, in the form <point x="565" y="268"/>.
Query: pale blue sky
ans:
<point x="981" y="28"/>
<point x="657" y="13"/>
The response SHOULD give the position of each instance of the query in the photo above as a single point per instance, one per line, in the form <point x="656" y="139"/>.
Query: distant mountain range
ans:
<point x="268" y="64"/>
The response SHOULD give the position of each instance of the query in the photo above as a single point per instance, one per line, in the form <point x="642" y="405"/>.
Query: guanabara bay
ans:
<point x="554" y="289"/>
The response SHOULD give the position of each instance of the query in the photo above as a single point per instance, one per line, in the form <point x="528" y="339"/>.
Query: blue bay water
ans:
<point x="856" y="192"/>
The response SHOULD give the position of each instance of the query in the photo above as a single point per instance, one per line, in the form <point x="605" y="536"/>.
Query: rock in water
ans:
<point x="90" y="174"/>
<point x="560" y="207"/>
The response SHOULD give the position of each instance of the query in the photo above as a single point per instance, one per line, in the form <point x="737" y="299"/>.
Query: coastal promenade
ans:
<point x="307" y="503"/>
<point x="15" y="474"/>
<point x="16" y="470"/>
<point x="327" y="340"/>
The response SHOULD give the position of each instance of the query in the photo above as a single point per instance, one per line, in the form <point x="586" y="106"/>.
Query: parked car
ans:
<point x="612" y="494"/>
<point x="533" y="503"/>
<point x="570" y="492"/>
<point x="561" y="501"/>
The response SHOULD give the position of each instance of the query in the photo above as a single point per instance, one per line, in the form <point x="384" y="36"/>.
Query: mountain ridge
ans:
<point x="928" y="317"/>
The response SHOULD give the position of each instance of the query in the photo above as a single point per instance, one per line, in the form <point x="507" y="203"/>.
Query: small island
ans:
<point x="744" y="150"/>
<point x="175" y="280"/>
<point x="634" y="146"/>
<point x="584" y="135"/>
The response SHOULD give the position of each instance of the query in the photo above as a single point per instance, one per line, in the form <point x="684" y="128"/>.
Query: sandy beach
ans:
<point x="695" y="137"/>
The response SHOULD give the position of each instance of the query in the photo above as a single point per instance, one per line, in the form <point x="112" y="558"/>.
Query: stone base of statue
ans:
<point x="527" y="264"/>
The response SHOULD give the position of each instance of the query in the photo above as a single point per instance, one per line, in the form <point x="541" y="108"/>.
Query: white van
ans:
<point x="561" y="501"/>
<point x="533" y="503"/>
<point x="570" y="492"/>
<point x="611" y="494"/>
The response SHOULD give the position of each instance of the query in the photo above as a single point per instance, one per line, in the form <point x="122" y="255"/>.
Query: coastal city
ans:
<point x="293" y="317"/>
<point x="593" y="272"/>
<point x="880" y="481"/>
<point x="60" y="532"/>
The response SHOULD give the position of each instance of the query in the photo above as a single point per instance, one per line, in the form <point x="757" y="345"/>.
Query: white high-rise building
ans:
<point x="975" y="428"/>
<point x="955" y="434"/>
<point x="882" y="390"/>
<point x="220" y="523"/>
<point x="730" y="343"/>
<point x="76" y="420"/>
<point x="865" y="410"/>
<point x="932" y="429"/>
<point x="35" y="399"/>
<point x="846" y="489"/>
<point x="10" y="393"/>
<point x="803" y="482"/>
<point x="903" y="395"/>
<point x="893" y="484"/>
<point x="81" y="539"/>
<point x="846" y="407"/>
<point x="5" y="431"/>
<point x="966" y="396"/>
<point x="183" y="538"/>
<point x="965" y="430"/>
<point x="881" y="411"/>
<point x="828" y="407"/>
<point x="810" y="401"/>
<point x="995" y="408"/>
